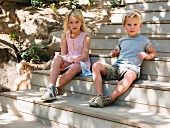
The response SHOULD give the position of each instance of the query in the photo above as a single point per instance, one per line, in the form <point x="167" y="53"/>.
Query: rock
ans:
<point x="1" y="1"/>
<point x="8" y="72"/>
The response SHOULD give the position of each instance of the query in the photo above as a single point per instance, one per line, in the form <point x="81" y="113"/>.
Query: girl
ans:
<point x="74" y="59"/>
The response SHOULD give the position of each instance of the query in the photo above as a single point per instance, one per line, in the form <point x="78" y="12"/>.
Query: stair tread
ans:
<point x="8" y="120"/>
<point x="125" y="115"/>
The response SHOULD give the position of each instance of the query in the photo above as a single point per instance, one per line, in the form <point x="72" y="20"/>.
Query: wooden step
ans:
<point x="144" y="1"/>
<point x="155" y="16"/>
<point x="74" y="112"/>
<point x="154" y="29"/>
<point x="136" y="96"/>
<point x="161" y="44"/>
<point x="8" y="120"/>
<point x="152" y="6"/>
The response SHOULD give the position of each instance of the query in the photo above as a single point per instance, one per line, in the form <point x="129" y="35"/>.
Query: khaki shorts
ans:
<point x="115" y="73"/>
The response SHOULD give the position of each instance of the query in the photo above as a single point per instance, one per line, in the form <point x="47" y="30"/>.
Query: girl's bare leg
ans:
<point x="68" y="75"/>
<point x="55" y="69"/>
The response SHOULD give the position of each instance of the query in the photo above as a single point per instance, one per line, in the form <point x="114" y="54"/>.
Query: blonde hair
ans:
<point x="78" y="14"/>
<point x="132" y="13"/>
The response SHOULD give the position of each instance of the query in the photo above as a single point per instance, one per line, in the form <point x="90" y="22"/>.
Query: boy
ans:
<point x="133" y="49"/>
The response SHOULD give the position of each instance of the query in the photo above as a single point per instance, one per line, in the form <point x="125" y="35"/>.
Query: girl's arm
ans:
<point x="86" y="47"/>
<point x="151" y="53"/>
<point x="63" y="45"/>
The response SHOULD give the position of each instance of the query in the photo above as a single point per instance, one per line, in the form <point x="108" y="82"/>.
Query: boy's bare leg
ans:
<point x="98" y="70"/>
<point x="68" y="75"/>
<point x="124" y="84"/>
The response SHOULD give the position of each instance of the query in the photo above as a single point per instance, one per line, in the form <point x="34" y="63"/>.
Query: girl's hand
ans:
<point x="64" y="65"/>
<point x="114" y="53"/>
<point x="71" y="60"/>
<point x="142" y="55"/>
<point x="76" y="62"/>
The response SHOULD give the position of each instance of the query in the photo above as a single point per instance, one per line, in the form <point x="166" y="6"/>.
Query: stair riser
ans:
<point x="150" y="99"/>
<point x="105" y="51"/>
<point x="136" y="1"/>
<point x="161" y="46"/>
<point x="133" y="94"/>
<point x="69" y="119"/>
<point x="149" y="6"/>
<point x="147" y="29"/>
<point x="147" y="16"/>
<point x="151" y="70"/>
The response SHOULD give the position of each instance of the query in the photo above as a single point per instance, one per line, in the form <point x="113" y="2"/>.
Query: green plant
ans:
<point x="36" y="3"/>
<point x="53" y="7"/>
<point x="15" y="37"/>
<point x="90" y="3"/>
<point x="34" y="53"/>
<point x="56" y="1"/>
<point x="115" y="3"/>
<point x="74" y="5"/>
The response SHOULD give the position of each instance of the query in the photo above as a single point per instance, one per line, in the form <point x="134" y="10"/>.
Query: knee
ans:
<point x="130" y="75"/>
<point x="57" y="58"/>
<point x="96" y="66"/>
<point x="74" y="69"/>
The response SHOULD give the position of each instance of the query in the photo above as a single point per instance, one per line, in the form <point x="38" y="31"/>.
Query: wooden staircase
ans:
<point x="145" y="104"/>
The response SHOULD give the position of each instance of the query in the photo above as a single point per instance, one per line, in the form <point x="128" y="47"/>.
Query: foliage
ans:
<point x="36" y="3"/>
<point x="115" y="3"/>
<point x="56" y="1"/>
<point x="90" y="3"/>
<point x="53" y="7"/>
<point x="13" y="36"/>
<point x="32" y="54"/>
<point x="73" y="5"/>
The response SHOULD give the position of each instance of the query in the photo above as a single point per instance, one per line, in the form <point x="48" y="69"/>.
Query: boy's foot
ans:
<point x="103" y="101"/>
<point x="50" y="94"/>
<point x="93" y="102"/>
<point x="44" y="90"/>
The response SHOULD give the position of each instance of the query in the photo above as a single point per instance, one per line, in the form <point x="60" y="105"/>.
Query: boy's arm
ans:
<point x="151" y="53"/>
<point x="115" y="53"/>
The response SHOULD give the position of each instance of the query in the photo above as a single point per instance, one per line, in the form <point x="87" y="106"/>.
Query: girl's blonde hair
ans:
<point x="78" y="14"/>
<point x="132" y="13"/>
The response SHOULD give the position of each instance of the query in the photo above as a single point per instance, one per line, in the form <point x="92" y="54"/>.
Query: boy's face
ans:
<point x="132" y="26"/>
<point x="74" y="24"/>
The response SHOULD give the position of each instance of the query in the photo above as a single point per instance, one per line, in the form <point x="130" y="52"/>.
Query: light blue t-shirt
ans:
<point x="130" y="48"/>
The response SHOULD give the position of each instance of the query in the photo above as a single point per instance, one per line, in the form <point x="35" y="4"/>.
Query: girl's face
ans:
<point x="132" y="26"/>
<point x="74" y="24"/>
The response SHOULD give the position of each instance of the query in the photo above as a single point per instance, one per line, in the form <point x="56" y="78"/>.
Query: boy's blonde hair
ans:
<point x="132" y="13"/>
<point x="78" y="14"/>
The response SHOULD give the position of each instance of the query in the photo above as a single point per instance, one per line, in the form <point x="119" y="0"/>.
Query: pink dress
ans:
<point x="75" y="47"/>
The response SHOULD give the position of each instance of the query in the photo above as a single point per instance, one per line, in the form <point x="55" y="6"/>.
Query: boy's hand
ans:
<point x="114" y="53"/>
<point x="142" y="55"/>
